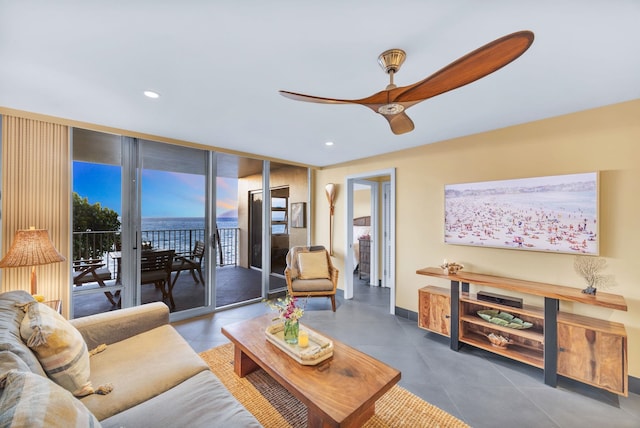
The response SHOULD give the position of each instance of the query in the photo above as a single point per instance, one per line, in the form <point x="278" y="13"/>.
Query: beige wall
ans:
<point x="361" y="203"/>
<point x="606" y="139"/>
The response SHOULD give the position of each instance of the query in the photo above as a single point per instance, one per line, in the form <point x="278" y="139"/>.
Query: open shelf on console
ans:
<point x="515" y="351"/>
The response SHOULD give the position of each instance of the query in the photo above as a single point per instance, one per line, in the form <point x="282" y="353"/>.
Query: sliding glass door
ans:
<point x="137" y="201"/>
<point x="238" y="269"/>
<point x="173" y="229"/>
<point x="289" y="189"/>
<point x="261" y="224"/>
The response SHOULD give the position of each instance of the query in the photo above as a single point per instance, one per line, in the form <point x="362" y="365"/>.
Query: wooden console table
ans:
<point x="586" y="349"/>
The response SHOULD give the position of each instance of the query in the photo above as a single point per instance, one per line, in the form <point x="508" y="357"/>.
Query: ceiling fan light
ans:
<point x="390" y="109"/>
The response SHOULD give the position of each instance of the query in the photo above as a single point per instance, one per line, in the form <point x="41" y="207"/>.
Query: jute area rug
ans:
<point x="274" y="406"/>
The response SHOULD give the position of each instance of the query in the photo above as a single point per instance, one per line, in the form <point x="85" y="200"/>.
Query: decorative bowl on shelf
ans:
<point x="499" y="341"/>
<point x="504" y="319"/>
<point x="451" y="268"/>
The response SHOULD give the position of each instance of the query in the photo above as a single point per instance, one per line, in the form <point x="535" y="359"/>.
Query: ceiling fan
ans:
<point x="393" y="101"/>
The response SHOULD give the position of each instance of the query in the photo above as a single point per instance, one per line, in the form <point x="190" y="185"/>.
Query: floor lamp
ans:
<point x="330" y="190"/>
<point x="31" y="247"/>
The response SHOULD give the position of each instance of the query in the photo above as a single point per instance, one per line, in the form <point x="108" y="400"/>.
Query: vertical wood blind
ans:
<point x="36" y="185"/>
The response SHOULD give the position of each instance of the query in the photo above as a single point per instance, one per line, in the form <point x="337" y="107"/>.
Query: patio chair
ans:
<point x="155" y="268"/>
<point x="310" y="273"/>
<point x="191" y="261"/>
<point x="93" y="271"/>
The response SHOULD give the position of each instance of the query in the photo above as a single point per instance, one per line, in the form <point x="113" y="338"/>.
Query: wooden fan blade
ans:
<point x="313" y="99"/>
<point x="400" y="123"/>
<point x="471" y="67"/>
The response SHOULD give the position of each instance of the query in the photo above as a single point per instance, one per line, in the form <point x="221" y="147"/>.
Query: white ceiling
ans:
<point x="219" y="65"/>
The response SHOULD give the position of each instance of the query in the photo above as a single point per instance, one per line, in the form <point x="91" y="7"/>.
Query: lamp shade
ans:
<point x="31" y="247"/>
<point x="330" y="190"/>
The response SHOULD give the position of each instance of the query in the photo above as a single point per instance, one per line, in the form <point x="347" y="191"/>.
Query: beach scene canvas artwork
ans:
<point x="554" y="213"/>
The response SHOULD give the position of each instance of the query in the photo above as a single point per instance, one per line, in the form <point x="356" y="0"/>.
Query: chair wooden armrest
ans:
<point x="334" y="273"/>
<point x="93" y="270"/>
<point x="191" y="261"/>
<point x="87" y="264"/>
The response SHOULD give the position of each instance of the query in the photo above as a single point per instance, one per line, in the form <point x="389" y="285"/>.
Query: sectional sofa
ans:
<point x="126" y="368"/>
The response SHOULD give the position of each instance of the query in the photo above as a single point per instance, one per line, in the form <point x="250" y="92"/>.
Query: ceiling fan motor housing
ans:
<point x="391" y="60"/>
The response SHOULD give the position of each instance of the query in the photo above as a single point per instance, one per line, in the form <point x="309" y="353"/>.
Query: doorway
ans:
<point x="382" y="195"/>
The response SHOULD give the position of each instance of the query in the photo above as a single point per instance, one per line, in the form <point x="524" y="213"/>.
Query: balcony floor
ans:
<point x="233" y="285"/>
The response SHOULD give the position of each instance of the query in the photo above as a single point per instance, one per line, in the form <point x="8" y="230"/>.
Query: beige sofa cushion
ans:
<point x="140" y="368"/>
<point x="114" y="326"/>
<point x="302" y="285"/>
<point x="203" y="402"/>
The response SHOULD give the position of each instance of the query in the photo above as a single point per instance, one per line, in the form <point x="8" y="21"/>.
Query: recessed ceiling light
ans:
<point x="329" y="143"/>
<point x="151" y="94"/>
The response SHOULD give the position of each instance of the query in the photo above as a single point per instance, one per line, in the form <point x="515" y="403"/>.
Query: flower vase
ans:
<point x="291" y="330"/>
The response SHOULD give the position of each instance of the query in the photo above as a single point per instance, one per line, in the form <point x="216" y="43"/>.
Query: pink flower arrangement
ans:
<point x="287" y="308"/>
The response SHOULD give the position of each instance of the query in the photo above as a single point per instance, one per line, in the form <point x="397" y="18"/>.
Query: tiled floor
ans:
<point x="478" y="387"/>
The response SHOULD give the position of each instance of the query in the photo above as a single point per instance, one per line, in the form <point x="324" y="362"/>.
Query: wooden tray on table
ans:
<point x="320" y="348"/>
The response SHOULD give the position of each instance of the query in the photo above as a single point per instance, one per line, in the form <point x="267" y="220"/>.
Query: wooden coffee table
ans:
<point x="339" y="392"/>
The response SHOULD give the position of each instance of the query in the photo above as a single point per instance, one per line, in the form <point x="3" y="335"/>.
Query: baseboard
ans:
<point x="634" y="385"/>
<point x="404" y="313"/>
<point x="634" y="382"/>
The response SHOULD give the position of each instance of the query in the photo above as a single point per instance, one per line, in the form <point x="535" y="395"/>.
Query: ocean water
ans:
<point x="180" y="233"/>
<point x="184" y="223"/>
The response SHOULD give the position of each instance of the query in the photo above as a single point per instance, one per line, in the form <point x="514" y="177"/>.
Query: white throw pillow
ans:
<point x="59" y="346"/>
<point x="313" y="265"/>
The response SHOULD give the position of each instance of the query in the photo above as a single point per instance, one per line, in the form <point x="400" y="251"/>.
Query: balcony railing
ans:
<point x="97" y="245"/>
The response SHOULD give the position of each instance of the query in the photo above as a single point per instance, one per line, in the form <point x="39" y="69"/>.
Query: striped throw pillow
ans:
<point x="30" y="400"/>
<point x="59" y="346"/>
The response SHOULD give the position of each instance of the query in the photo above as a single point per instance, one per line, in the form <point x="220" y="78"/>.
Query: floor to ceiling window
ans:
<point x="204" y="212"/>
<point x="96" y="222"/>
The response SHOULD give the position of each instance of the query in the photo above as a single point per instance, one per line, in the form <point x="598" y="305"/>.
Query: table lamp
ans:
<point x="31" y="247"/>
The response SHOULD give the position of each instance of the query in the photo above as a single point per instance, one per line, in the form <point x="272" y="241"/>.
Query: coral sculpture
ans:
<point x="589" y="268"/>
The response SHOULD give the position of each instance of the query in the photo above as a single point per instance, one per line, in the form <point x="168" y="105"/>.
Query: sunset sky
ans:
<point x="164" y="194"/>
